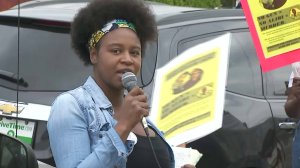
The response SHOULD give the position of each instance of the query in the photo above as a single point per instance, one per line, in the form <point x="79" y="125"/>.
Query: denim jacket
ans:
<point x="81" y="130"/>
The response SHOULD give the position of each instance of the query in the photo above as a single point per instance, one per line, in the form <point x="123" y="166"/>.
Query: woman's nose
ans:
<point x="126" y="58"/>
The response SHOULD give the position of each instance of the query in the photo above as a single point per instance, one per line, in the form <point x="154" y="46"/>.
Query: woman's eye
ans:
<point x="115" y="51"/>
<point x="136" y="53"/>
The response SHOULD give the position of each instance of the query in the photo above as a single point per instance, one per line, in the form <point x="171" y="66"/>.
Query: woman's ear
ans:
<point x="93" y="55"/>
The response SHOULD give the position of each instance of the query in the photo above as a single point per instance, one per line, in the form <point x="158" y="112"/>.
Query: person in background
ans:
<point x="95" y="125"/>
<point x="292" y="109"/>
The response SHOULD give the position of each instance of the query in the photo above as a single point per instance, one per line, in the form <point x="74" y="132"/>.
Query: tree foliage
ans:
<point x="193" y="3"/>
<point x="228" y="3"/>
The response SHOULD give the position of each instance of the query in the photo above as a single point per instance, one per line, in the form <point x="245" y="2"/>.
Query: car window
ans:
<point x="244" y="73"/>
<point x="277" y="82"/>
<point x="47" y="61"/>
<point x="148" y="64"/>
<point x="8" y="56"/>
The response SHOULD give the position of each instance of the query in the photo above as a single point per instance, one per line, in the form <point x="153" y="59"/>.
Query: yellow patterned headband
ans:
<point x="110" y="26"/>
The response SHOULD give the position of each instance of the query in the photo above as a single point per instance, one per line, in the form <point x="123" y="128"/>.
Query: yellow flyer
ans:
<point x="275" y="29"/>
<point x="188" y="96"/>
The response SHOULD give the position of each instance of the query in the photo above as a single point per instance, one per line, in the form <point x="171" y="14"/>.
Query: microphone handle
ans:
<point x="145" y="125"/>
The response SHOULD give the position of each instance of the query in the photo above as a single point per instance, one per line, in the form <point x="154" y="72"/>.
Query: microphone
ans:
<point x="129" y="81"/>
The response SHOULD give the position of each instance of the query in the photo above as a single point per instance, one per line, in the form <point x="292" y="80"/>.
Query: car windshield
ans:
<point x="46" y="62"/>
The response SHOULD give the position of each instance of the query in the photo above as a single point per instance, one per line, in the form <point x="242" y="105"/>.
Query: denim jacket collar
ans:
<point x="97" y="94"/>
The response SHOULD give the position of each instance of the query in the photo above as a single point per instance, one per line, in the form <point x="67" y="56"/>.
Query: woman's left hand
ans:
<point x="188" y="166"/>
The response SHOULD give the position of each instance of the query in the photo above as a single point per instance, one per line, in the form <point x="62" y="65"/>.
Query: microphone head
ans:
<point x="129" y="81"/>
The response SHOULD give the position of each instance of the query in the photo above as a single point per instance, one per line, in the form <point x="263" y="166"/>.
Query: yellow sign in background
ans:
<point x="277" y="23"/>
<point x="188" y="97"/>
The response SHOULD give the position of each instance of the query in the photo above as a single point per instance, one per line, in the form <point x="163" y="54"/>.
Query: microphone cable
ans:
<point x="129" y="81"/>
<point x="151" y="146"/>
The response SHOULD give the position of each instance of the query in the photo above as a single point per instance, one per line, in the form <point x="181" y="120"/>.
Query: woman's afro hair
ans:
<point x="97" y="13"/>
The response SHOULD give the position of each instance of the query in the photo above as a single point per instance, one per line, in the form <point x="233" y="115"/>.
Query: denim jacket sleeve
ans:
<point x="73" y="143"/>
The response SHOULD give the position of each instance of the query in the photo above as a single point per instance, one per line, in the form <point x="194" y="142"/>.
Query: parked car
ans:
<point x="37" y="64"/>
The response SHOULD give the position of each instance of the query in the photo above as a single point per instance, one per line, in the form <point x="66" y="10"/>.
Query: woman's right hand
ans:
<point x="133" y="109"/>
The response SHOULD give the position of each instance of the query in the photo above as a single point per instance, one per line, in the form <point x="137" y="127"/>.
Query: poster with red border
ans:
<point x="7" y="4"/>
<point x="275" y="29"/>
